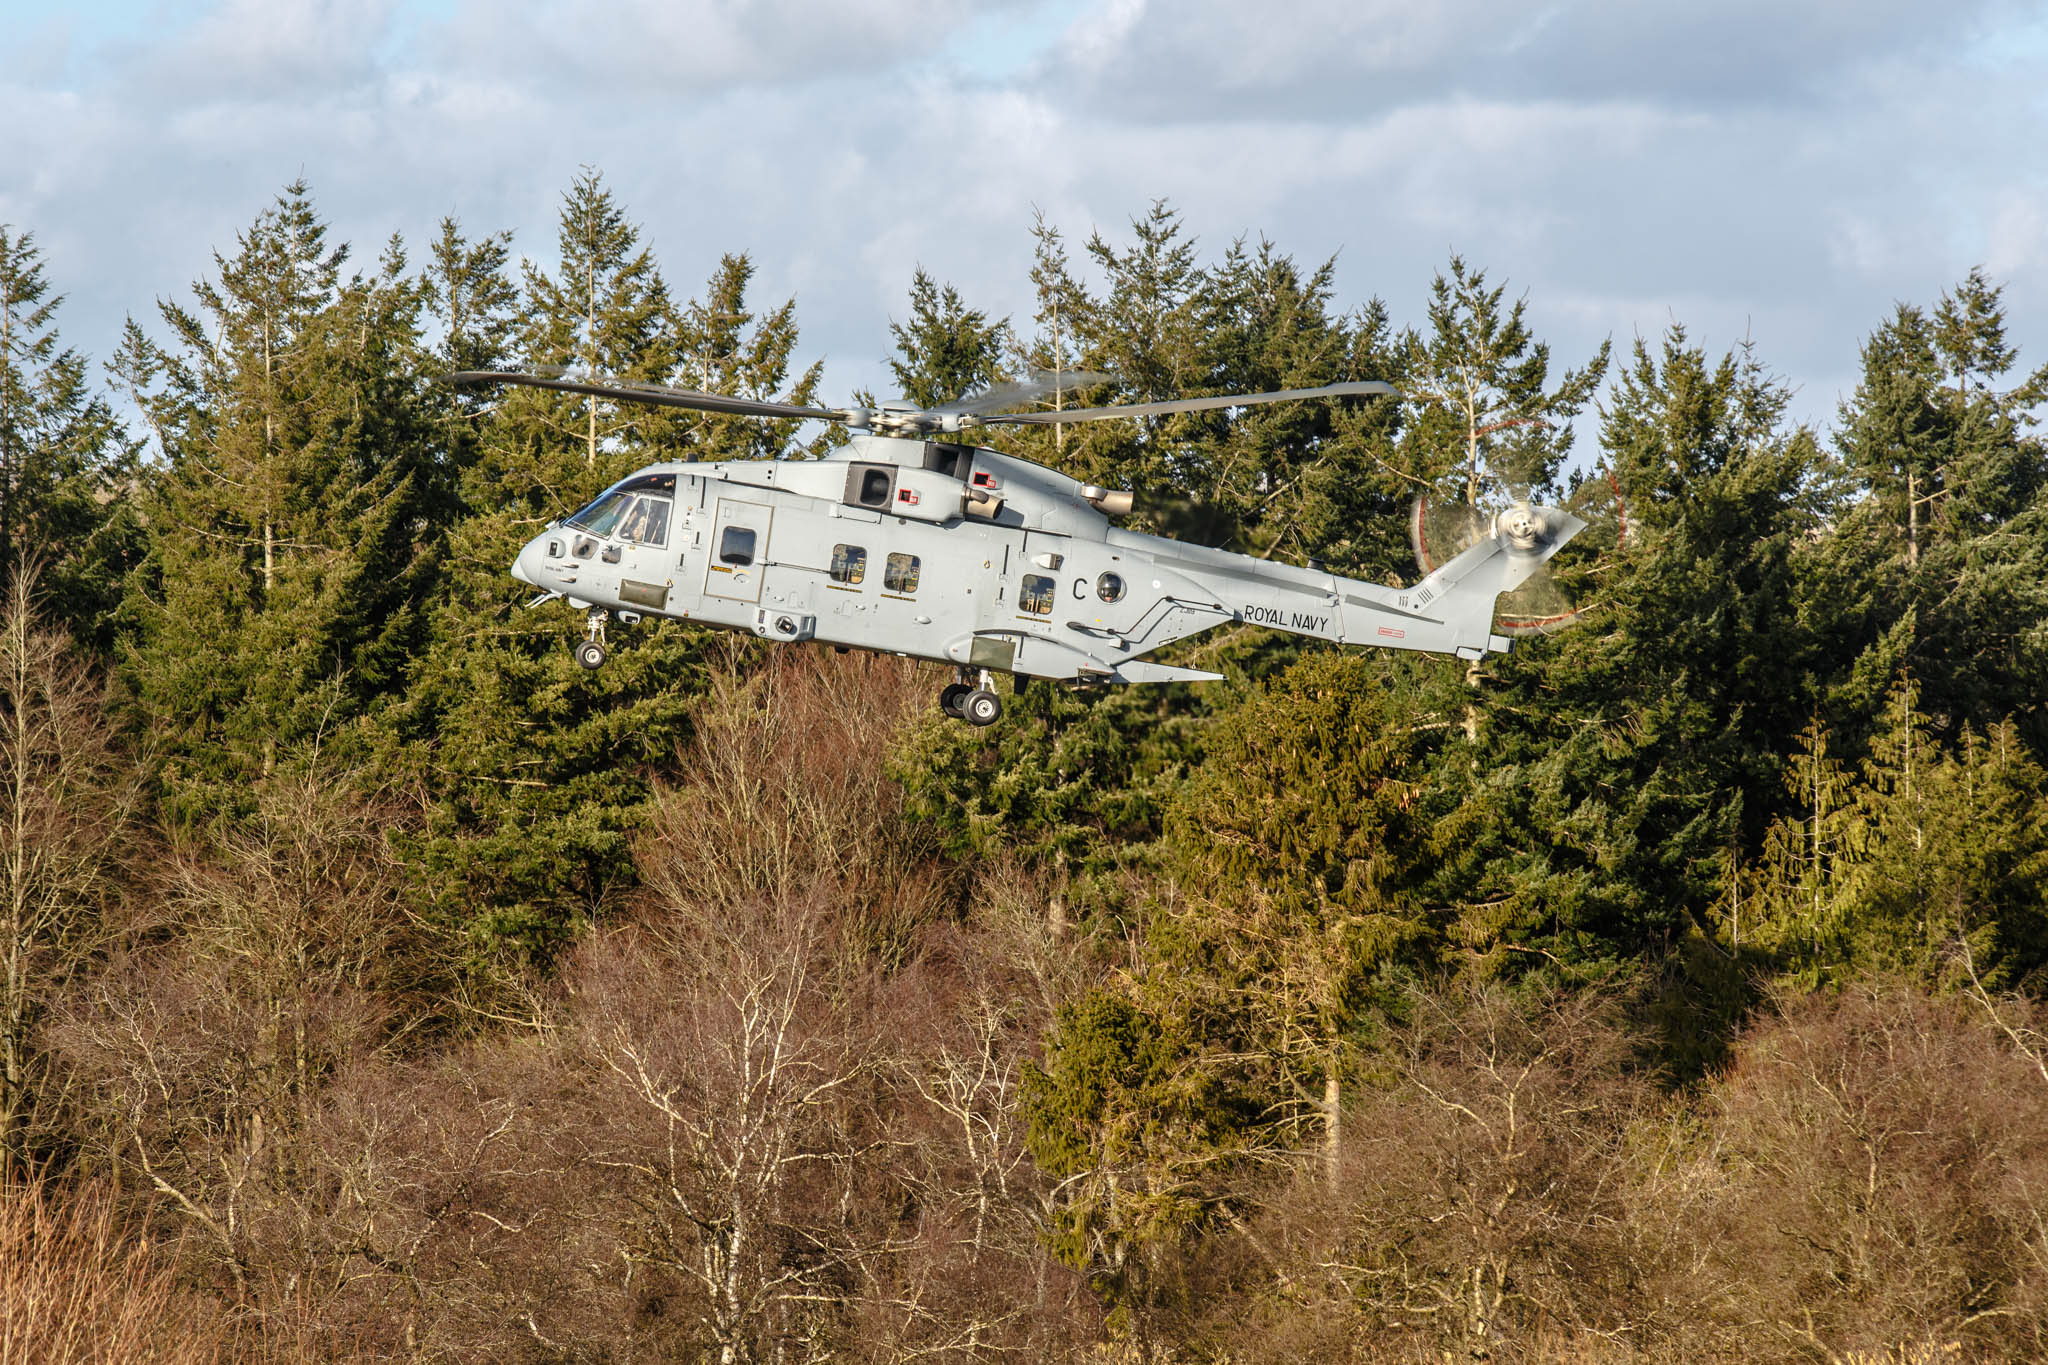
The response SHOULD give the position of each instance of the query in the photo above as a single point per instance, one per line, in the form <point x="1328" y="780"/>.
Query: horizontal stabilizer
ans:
<point x="1145" y="671"/>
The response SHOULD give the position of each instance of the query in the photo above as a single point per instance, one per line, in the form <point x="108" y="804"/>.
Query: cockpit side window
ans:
<point x="647" y="523"/>
<point x="601" y="515"/>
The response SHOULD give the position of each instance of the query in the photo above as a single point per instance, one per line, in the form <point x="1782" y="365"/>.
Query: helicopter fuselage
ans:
<point x="966" y="556"/>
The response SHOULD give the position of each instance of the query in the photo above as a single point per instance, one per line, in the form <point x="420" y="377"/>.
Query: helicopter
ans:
<point x="909" y="540"/>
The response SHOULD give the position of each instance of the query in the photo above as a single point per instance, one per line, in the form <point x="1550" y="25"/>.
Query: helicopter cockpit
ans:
<point x="635" y="510"/>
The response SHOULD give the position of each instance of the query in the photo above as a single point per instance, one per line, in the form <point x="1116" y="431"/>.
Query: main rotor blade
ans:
<point x="650" y="393"/>
<point x="1228" y="400"/>
<point x="1015" y="393"/>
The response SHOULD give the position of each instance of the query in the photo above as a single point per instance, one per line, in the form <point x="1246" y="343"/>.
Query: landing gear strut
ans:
<point x="590" y="653"/>
<point x="975" y="702"/>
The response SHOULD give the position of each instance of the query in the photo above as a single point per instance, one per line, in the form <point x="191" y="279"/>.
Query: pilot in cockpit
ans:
<point x="636" y="527"/>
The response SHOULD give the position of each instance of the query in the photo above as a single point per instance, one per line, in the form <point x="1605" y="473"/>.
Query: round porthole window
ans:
<point x="1110" y="587"/>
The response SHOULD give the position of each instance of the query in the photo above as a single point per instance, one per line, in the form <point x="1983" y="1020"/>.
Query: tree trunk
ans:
<point x="1912" y="522"/>
<point x="1333" y="1126"/>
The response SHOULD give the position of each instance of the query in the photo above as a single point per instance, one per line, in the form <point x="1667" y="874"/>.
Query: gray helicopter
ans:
<point x="908" y="541"/>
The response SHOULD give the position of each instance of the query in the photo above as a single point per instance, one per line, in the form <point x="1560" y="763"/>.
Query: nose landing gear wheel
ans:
<point x="591" y="652"/>
<point x="981" y="707"/>
<point x="950" y="698"/>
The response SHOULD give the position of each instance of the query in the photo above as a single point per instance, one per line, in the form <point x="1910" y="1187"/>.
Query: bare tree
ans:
<point x="731" y="1116"/>
<point x="204" y="1049"/>
<point x="1895" y="1190"/>
<point x="67" y="798"/>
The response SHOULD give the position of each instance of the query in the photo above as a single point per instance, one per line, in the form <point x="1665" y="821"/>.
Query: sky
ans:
<point x="1781" y="170"/>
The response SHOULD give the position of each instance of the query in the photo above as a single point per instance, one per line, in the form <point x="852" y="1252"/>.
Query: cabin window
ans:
<point x="900" y="573"/>
<point x="736" y="546"/>
<point x="1110" y="587"/>
<point x="647" y="523"/>
<point x="1036" y="598"/>
<point x="849" y="563"/>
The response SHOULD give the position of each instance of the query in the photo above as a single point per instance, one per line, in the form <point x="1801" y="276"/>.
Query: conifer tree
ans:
<point x="945" y="350"/>
<point x="65" y="463"/>
<point x="1593" y="807"/>
<point x="476" y="301"/>
<point x="1139" y="1137"/>
<point x="605" y="311"/>
<point x="536" y="772"/>
<point x="1145" y="331"/>
<point x="1791" y="905"/>
<point x="292" y="525"/>
<point x="1954" y="527"/>
<point x="1298" y="848"/>
<point x="1061" y="305"/>
<point x="1290" y="480"/>
<point x="1483" y="412"/>
<point x="1885" y="867"/>
<point x="530" y="765"/>
<point x="719" y="355"/>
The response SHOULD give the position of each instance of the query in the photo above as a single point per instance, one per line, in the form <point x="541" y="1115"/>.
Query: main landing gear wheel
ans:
<point x="981" y="707"/>
<point x="971" y="699"/>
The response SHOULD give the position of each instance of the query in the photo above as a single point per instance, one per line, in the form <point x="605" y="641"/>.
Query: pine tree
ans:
<point x="718" y="355"/>
<point x="1953" y="532"/>
<point x="1793" y="902"/>
<point x="473" y="296"/>
<point x="293" y="525"/>
<point x="1145" y="331"/>
<point x="605" y="311"/>
<point x="1061" y="307"/>
<point x="1297" y="480"/>
<point x="1483" y="414"/>
<point x="1298" y="848"/>
<point x="536" y="772"/>
<point x="945" y="350"/>
<point x="65" y="464"/>
<point x="1884" y="867"/>
<point x="1611" y="769"/>
<point x="1140" y="1136"/>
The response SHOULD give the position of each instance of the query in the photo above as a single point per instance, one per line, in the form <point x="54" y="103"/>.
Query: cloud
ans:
<point x="1737" y="167"/>
<point x="263" y="50"/>
<point x="1344" y="59"/>
<point x="666" y="47"/>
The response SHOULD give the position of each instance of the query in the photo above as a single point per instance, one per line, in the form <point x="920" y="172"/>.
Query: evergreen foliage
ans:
<point x="1892" y="865"/>
<point x="65" y="464"/>
<point x="1606" y="772"/>
<point x="293" y="521"/>
<point x="536" y="773"/>
<point x="1957" y="492"/>
<point x="946" y="350"/>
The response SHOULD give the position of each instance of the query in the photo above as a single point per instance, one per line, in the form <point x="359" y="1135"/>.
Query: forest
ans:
<point x="381" y="986"/>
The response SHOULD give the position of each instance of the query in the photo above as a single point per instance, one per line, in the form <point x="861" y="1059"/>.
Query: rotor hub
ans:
<point x="1522" y="527"/>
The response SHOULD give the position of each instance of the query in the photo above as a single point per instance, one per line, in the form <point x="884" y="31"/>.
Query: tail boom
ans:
<point x="1449" y="612"/>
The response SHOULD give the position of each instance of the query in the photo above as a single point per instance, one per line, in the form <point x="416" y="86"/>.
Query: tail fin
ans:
<point x="1451" y="611"/>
